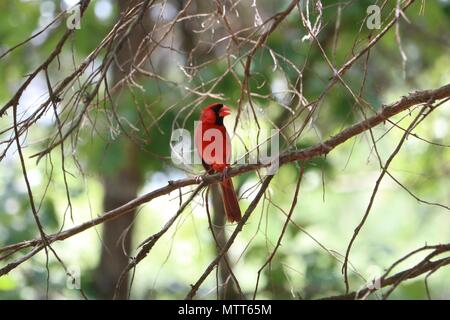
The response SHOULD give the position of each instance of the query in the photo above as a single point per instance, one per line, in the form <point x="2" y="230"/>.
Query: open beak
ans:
<point x="224" y="111"/>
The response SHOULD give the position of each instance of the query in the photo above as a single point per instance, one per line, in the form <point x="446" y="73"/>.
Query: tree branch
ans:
<point x="387" y="111"/>
<point x="425" y="266"/>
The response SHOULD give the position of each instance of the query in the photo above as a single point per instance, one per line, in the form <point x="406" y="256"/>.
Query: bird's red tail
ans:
<point x="230" y="201"/>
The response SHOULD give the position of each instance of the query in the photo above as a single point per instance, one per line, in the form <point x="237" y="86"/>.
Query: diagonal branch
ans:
<point x="387" y="111"/>
<point x="424" y="266"/>
<point x="374" y="193"/>
<point x="230" y="241"/>
<point x="148" y="244"/>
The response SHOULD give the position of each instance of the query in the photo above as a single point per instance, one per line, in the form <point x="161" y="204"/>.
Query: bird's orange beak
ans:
<point x="224" y="111"/>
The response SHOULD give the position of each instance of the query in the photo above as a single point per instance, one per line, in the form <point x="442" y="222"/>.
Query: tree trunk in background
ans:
<point x="228" y="290"/>
<point x="123" y="187"/>
<point x="119" y="188"/>
<point x="117" y="234"/>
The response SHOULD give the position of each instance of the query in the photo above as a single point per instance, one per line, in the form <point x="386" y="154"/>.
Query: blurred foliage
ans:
<point x="334" y="192"/>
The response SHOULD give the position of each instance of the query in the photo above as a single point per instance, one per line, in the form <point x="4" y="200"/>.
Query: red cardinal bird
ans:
<point x="214" y="147"/>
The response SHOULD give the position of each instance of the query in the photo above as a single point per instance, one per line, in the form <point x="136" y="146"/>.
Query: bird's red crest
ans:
<point x="214" y="113"/>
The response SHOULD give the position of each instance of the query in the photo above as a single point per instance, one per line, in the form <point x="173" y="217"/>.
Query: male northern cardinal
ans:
<point x="214" y="147"/>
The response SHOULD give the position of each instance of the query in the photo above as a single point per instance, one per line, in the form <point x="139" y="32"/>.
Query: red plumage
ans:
<point x="214" y="147"/>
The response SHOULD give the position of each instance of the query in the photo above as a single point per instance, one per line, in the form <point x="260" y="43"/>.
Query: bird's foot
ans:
<point x="222" y="168"/>
<point x="225" y="173"/>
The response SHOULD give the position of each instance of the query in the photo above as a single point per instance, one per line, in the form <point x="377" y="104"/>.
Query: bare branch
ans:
<point x="416" y="98"/>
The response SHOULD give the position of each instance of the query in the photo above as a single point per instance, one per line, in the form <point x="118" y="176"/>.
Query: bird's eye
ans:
<point x="210" y="116"/>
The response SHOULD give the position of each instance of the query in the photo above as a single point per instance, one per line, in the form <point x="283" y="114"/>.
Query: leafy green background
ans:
<point x="334" y="193"/>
